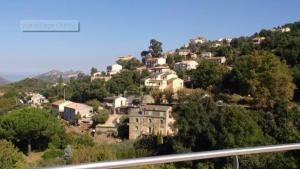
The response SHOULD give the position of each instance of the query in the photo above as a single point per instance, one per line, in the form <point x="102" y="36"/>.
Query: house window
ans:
<point x="161" y="121"/>
<point x="150" y="120"/>
<point x="150" y="130"/>
<point x="137" y="120"/>
<point x="136" y="127"/>
<point x="161" y="114"/>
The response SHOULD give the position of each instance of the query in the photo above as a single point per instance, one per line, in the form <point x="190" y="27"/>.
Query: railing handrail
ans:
<point x="182" y="157"/>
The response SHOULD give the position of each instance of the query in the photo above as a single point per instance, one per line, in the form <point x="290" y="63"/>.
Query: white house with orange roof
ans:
<point x="72" y="109"/>
<point x="186" y="65"/>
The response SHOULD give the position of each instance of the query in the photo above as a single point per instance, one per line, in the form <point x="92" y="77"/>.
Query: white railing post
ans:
<point x="236" y="162"/>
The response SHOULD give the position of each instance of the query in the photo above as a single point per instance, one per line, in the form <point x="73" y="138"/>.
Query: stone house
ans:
<point x="150" y="119"/>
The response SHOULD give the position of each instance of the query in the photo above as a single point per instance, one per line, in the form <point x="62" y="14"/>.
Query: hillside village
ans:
<point x="147" y="117"/>
<point x="165" y="96"/>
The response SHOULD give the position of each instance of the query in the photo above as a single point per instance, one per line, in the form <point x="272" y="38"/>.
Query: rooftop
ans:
<point x="59" y="102"/>
<point x="73" y="105"/>
<point x="149" y="107"/>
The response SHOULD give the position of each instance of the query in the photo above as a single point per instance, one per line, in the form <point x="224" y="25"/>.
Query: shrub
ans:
<point x="82" y="140"/>
<point x="92" y="154"/>
<point x="10" y="157"/>
<point x="101" y="117"/>
<point x="53" y="153"/>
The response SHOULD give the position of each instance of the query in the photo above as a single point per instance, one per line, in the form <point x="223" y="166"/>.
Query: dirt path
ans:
<point x="34" y="157"/>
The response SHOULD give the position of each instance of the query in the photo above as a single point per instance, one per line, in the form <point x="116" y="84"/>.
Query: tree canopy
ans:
<point x="30" y="126"/>
<point x="155" y="49"/>
<point x="123" y="81"/>
<point x="262" y="75"/>
<point x="130" y="64"/>
<point x="207" y="75"/>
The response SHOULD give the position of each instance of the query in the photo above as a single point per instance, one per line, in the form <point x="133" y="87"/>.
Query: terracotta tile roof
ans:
<point x="58" y="102"/>
<point x="75" y="106"/>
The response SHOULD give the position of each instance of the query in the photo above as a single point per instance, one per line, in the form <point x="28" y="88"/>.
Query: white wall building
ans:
<point x="152" y="62"/>
<point x="115" y="102"/>
<point x="72" y="109"/>
<point x="37" y="99"/>
<point x="206" y="54"/>
<point x="59" y="106"/>
<point x="113" y="69"/>
<point x="184" y="52"/>
<point x="186" y="65"/>
<point x="163" y="81"/>
<point x="199" y="40"/>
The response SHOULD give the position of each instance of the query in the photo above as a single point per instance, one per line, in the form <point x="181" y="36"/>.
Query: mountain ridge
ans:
<point x="54" y="75"/>
<point x="3" y="81"/>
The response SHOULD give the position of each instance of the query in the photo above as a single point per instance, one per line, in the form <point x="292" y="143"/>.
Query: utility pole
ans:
<point x="64" y="93"/>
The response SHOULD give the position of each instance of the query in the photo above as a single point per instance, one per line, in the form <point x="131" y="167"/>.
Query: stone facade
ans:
<point x="150" y="119"/>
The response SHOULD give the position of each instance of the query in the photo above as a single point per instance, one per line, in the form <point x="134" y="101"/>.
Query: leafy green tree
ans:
<point x="82" y="89"/>
<point x="30" y="126"/>
<point x="123" y="82"/>
<point x="10" y="157"/>
<point x="243" y="45"/>
<point x="94" y="103"/>
<point x="61" y="80"/>
<point x="193" y="119"/>
<point x="130" y="64"/>
<point x="93" y="71"/>
<point x="8" y="102"/>
<point x="155" y="48"/>
<point x="265" y="77"/>
<point x="101" y="117"/>
<point x="236" y="128"/>
<point x="296" y="75"/>
<point x="123" y="128"/>
<point x="207" y="75"/>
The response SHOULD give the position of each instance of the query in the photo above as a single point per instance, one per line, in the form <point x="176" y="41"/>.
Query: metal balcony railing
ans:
<point x="184" y="157"/>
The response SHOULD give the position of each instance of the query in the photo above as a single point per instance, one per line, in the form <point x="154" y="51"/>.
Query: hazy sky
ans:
<point x="110" y="28"/>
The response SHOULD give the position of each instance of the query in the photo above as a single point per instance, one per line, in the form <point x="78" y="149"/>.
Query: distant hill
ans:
<point x="53" y="76"/>
<point x="3" y="81"/>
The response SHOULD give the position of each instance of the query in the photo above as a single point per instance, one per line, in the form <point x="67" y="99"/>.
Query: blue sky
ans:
<point x="110" y="28"/>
